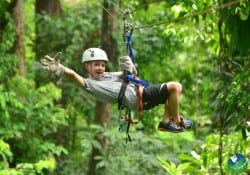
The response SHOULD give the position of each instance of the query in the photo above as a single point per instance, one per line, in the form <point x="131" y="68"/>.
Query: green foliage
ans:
<point x="29" y="168"/>
<point x="231" y="91"/>
<point x="29" y="117"/>
<point x="70" y="33"/>
<point x="204" y="160"/>
<point x="182" y="51"/>
<point x="5" y="153"/>
<point x="238" y="98"/>
<point x="45" y="130"/>
<point x="8" y="36"/>
<point x="144" y="150"/>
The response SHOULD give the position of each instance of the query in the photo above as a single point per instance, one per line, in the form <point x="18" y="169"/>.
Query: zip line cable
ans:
<point x="218" y="7"/>
<point x="122" y="11"/>
<point x="146" y="5"/>
<point x="211" y="10"/>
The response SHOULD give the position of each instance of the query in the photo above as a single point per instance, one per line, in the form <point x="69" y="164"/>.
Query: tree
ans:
<point x="233" y="70"/>
<point x="19" y="48"/>
<point x="52" y="8"/>
<point x="50" y="130"/>
<point x="103" y="110"/>
<point x="25" y="145"/>
<point x="15" y="8"/>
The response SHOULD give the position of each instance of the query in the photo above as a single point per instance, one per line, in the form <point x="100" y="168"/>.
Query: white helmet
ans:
<point x="93" y="54"/>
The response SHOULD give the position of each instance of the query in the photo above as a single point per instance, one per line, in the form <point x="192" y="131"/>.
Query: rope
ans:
<point x="129" y="77"/>
<point x="127" y="40"/>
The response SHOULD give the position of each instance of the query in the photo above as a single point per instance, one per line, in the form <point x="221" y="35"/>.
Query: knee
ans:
<point x="179" y="86"/>
<point x="174" y="87"/>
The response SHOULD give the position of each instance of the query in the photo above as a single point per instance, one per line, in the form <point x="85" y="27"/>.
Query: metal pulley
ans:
<point x="127" y="35"/>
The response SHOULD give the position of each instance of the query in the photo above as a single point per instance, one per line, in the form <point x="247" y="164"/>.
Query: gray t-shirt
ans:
<point x="107" y="89"/>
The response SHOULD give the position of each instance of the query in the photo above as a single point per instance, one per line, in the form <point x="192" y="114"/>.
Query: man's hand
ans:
<point x="127" y="64"/>
<point x="53" y="64"/>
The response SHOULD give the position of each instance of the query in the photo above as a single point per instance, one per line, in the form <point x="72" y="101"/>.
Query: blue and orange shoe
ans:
<point x="187" y="124"/>
<point x="171" y="126"/>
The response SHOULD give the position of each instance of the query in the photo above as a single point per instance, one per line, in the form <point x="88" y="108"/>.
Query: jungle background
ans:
<point x="50" y="126"/>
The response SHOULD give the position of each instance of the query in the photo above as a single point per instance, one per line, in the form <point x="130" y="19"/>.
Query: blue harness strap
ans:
<point x="129" y="46"/>
<point x="127" y="78"/>
<point x="135" y="80"/>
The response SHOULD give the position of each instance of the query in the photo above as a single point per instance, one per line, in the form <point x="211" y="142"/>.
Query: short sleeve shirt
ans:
<point x="107" y="89"/>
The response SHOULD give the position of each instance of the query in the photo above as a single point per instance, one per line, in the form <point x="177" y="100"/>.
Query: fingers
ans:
<point x="127" y="64"/>
<point x="46" y="67"/>
<point x="46" y="61"/>
<point x="125" y="59"/>
<point x="51" y="64"/>
<point x="134" y="70"/>
<point x="58" y="56"/>
<point x="47" y="57"/>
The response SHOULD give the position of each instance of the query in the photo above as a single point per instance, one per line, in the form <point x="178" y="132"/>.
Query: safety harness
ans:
<point x="128" y="77"/>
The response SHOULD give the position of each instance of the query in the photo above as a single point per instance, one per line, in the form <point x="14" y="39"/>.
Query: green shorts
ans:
<point x="154" y="95"/>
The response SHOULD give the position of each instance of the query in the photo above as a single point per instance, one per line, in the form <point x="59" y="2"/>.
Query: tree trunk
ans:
<point x="19" y="47"/>
<point x="109" y="26"/>
<point x="102" y="117"/>
<point x="51" y="7"/>
<point x="45" y="7"/>
<point x="103" y="110"/>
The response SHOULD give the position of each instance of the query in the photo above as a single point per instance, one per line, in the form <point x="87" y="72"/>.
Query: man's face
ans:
<point x="96" y="68"/>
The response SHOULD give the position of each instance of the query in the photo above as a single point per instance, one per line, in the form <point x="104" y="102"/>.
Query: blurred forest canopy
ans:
<point x="50" y="126"/>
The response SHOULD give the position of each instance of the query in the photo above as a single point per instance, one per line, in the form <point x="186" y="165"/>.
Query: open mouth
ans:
<point x="99" y="74"/>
